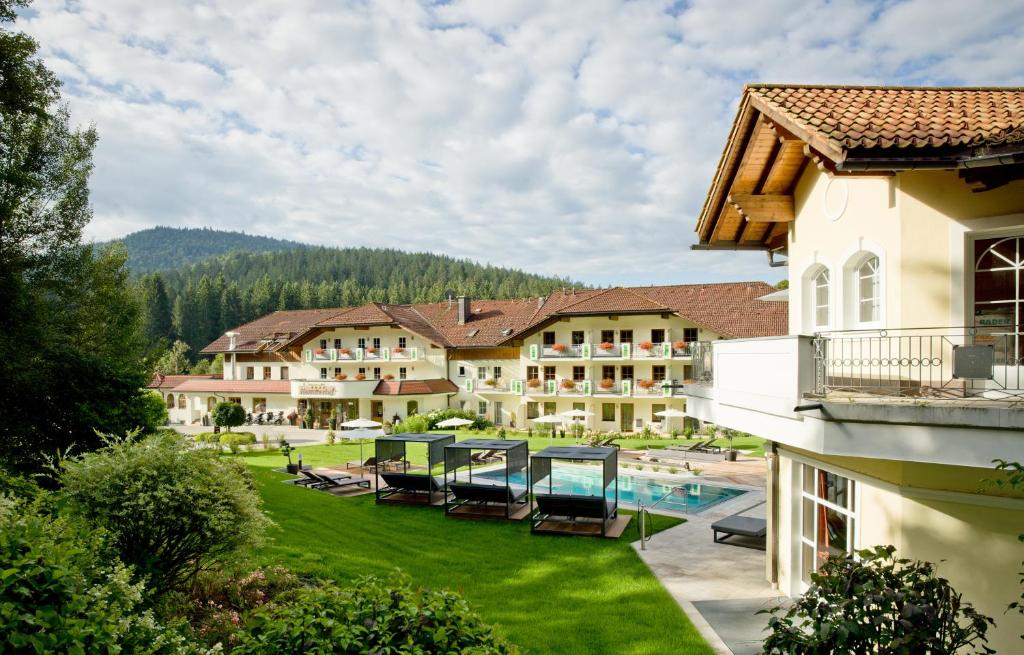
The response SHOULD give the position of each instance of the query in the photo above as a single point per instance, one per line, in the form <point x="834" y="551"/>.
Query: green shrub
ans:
<point x="331" y="437"/>
<point x="370" y="616"/>
<point x="416" y="423"/>
<point x="60" y="594"/>
<point x="228" y="415"/>
<point x="152" y="409"/>
<point x="436" y="416"/>
<point x="235" y="439"/>
<point x="265" y="440"/>
<point x="655" y="446"/>
<point x="876" y="603"/>
<point x="170" y="510"/>
<point x="673" y="470"/>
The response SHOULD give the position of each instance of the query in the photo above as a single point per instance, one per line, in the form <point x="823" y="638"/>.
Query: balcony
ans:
<point x="569" y="387"/>
<point x="565" y="351"/>
<point x="649" y="350"/>
<point x="683" y="349"/>
<point x="609" y="350"/>
<point x="492" y="385"/>
<point x="370" y="354"/>
<point x="983" y="364"/>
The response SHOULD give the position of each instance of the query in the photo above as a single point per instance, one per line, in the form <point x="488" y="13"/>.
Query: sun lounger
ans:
<point x="326" y="481"/>
<point x="312" y="478"/>
<point x="411" y="483"/>
<point x="741" y="526"/>
<point x="571" y="508"/>
<point x="370" y="464"/>
<point x="487" y="493"/>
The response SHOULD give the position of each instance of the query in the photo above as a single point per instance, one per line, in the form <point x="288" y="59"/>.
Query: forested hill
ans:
<point x="161" y="248"/>
<point x="198" y="302"/>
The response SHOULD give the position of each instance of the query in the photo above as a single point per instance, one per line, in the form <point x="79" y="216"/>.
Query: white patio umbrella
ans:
<point x="552" y="419"/>
<point x="455" y="422"/>
<point x="361" y="428"/>
<point x="577" y="414"/>
<point x="670" y="413"/>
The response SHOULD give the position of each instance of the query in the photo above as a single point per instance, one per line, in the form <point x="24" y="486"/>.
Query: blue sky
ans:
<point x="569" y="138"/>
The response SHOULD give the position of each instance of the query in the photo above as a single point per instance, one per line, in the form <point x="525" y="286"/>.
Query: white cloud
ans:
<point x="571" y="138"/>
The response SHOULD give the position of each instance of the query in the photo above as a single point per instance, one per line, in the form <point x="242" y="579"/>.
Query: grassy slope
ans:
<point x="548" y="594"/>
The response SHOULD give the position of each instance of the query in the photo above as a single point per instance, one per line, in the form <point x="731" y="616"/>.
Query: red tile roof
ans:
<point x="414" y="387"/>
<point x="896" y="117"/>
<point x="729" y="309"/>
<point x="236" y="386"/>
<point x="271" y="332"/>
<point x="168" y="382"/>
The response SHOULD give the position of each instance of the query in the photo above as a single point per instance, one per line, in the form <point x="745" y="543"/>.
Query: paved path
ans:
<point x="720" y="587"/>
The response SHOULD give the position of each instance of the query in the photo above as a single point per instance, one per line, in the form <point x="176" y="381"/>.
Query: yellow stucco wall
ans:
<point x="919" y="224"/>
<point x="974" y="539"/>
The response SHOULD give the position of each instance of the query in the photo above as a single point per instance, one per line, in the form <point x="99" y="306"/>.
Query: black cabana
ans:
<point x="481" y="500"/>
<point x="405" y="487"/>
<point x="566" y="513"/>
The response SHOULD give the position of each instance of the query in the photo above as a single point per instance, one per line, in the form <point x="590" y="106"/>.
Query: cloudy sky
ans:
<point x="562" y="137"/>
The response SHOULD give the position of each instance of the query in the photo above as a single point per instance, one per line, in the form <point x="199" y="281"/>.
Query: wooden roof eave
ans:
<point x="727" y="165"/>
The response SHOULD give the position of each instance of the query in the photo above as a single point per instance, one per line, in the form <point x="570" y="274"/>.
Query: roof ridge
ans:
<point x="876" y="87"/>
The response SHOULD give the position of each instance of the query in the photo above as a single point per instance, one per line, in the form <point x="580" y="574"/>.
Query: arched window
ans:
<point x="182" y="401"/>
<point x="869" y="290"/>
<point x="820" y="298"/>
<point x="170" y="401"/>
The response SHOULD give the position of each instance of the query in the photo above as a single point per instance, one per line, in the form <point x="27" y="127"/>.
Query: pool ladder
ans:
<point x="644" y="518"/>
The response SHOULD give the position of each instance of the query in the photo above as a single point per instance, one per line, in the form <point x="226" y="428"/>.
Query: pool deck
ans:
<point x="720" y="587"/>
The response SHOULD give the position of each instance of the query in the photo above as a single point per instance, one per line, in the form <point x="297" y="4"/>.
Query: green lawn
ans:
<point x="547" y="594"/>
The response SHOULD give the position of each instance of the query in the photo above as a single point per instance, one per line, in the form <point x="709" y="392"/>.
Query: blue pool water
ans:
<point x="686" y="497"/>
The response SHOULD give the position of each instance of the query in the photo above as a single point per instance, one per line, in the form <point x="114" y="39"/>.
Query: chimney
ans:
<point x="463" y="302"/>
<point x="231" y="340"/>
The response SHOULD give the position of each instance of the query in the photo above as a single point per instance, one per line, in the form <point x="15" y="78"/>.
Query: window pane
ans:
<point x="833" y="488"/>
<point x="808" y="519"/>
<point x="833" y="535"/>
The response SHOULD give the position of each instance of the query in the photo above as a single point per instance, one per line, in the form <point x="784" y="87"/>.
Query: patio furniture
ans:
<point x="491" y="499"/>
<point x="326" y="481"/>
<point x="370" y="464"/>
<point x="404" y="487"/>
<point x="581" y="514"/>
<point x="312" y="478"/>
<point x="742" y="526"/>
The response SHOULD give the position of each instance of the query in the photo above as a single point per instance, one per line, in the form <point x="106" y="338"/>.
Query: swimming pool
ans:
<point x="689" y="497"/>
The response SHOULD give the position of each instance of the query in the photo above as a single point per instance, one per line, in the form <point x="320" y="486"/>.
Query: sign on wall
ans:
<point x="316" y="389"/>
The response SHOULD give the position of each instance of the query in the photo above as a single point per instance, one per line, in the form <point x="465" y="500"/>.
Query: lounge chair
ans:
<point x="742" y="526"/>
<point x="574" y="507"/>
<point x="478" y="458"/>
<point x="312" y="479"/>
<point x="487" y="493"/>
<point x="326" y="481"/>
<point x="409" y="484"/>
<point x="370" y="464"/>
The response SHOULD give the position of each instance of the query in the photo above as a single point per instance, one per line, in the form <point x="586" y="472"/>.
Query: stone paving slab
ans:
<point x="737" y="622"/>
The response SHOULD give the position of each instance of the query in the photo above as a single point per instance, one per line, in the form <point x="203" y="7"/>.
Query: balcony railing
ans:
<point x="703" y="362"/>
<point x="564" y="350"/>
<point x="608" y="349"/>
<point x="961" y="363"/>
<point x="653" y="351"/>
<point x="383" y="354"/>
<point x="685" y="349"/>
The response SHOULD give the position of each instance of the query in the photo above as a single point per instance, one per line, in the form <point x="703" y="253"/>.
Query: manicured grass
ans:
<point x="547" y="594"/>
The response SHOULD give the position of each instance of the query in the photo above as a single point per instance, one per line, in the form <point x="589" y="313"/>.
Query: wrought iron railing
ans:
<point x="975" y="363"/>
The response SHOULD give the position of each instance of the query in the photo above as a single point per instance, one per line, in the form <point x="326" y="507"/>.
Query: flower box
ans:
<point x="606" y="346"/>
<point x="558" y="347"/>
<point x="533" y="383"/>
<point x="398" y="350"/>
<point x="360" y="376"/>
<point x="388" y="376"/>
<point x="371" y="349"/>
<point x="607" y="383"/>
<point x="645" y="345"/>
<point x="344" y="352"/>
<point x="679" y="345"/>
<point x="491" y="382"/>
<point x="646" y="384"/>
<point x="318" y="352"/>
<point x="341" y="376"/>
<point x="568" y="384"/>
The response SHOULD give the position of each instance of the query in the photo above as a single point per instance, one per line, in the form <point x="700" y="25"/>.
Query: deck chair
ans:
<point x="327" y="481"/>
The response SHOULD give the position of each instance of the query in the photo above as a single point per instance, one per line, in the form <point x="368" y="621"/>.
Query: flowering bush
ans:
<point x="568" y="384"/>
<point x="533" y="383"/>
<point x="645" y="345"/>
<point x="606" y="345"/>
<point x="558" y="347"/>
<point x="607" y="383"/>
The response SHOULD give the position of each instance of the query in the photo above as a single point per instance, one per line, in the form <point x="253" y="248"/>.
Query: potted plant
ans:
<point x="286" y="450"/>
<point x="398" y="350"/>
<point x="606" y="346"/>
<point x="388" y="376"/>
<point x="360" y="376"/>
<point x="730" y="455"/>
<point x="491" y="382"/>
<point x="645" y="345"/>
<point x="607" y="383"/>
<point x="309" y="421"/>
<point x="568" y="384"/>
<point x="558" y="347"/>
<point x="292" y="417"/>
<point x="341" y="376"/>
<point x="533" y="383"/>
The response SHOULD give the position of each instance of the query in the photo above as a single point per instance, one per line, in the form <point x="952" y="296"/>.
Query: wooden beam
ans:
<point x="784" y="171"/>
<point x="760" y="150"/>
<point x="774" y="208"/>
